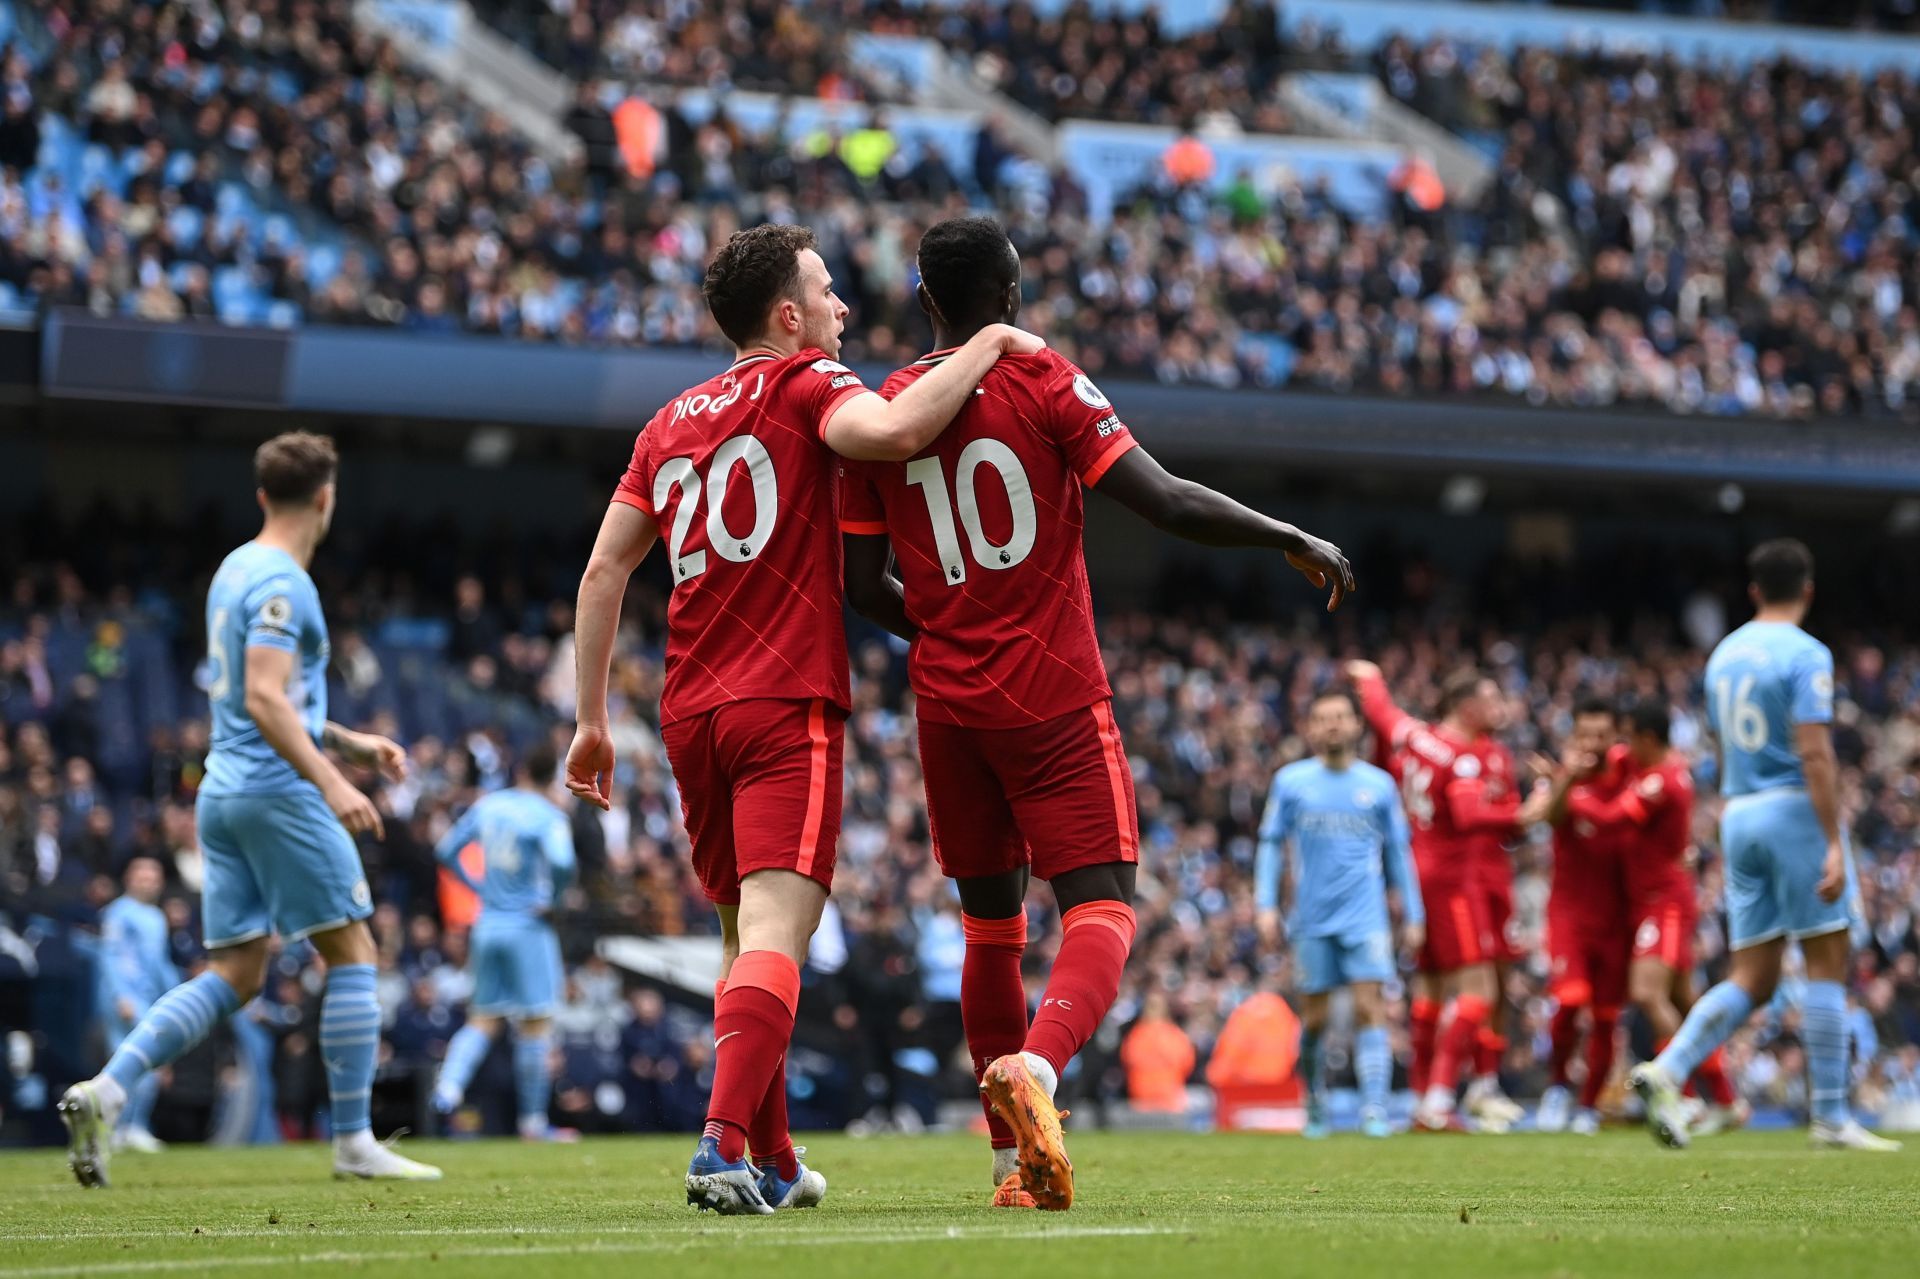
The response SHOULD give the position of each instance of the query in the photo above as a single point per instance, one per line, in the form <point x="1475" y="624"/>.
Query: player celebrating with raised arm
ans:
<point x="1457" y="782"/>
<point x="1343" y="817"/>
<point x="526" y="847"/>
<point x="276" y="820"/>
<point x="1025" y="771"/>
<point x="1587" y="921"/>
<point x="1789" y="873"/>
<point x="740" y="471"/>
<point x="1649" y="810"/>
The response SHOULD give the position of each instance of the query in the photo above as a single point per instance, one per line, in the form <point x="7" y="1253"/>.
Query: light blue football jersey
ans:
<point x="136" y="963"/>
<point x="261" y="598"/>
<point x="528" y="845"/>
<point x="1762" y="681"/>
<point x="1350" y="833"/>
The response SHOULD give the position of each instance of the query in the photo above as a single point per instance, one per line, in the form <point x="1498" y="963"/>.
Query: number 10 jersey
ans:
<point x="744" y="489"/>
<point x="986" y="525"/>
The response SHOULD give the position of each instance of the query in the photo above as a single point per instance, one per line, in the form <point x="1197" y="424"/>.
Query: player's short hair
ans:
<point x="541" y="763"/>
<point x="754" y="269"/>
<point x="1652" y="717"/>
<point x="1335" y="695"/>
<point x="1458" y="687"/>
<point x="1595" y="704"/>
<point x="1780" y="569"/>
<point x="291" y="468"/>
<point x="967" y="264"/>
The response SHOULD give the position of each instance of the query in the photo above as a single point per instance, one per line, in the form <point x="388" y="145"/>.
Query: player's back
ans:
<point x="1340" y="823"/>
<point x="527" y="847"/>
<point x="745" y="493"/>
<point x="260" y="597"/>
<point x="987" y="527"/>
<point x="1429" y="759"/>
<point x="1763" y="681"/>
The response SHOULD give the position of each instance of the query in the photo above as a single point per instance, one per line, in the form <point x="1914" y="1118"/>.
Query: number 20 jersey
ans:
<point x="745" y="492"/>
<point x="986" y="526"/>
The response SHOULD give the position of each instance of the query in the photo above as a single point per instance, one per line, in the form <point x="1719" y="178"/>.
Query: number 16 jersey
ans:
<point x="986" y="525"/>
<point x="737" y="475"/>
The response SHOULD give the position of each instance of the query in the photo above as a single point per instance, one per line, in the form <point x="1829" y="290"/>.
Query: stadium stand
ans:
<point x="1659" y="234"/>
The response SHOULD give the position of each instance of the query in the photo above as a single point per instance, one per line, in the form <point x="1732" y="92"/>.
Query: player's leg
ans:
<point x="1372" y="1057"/>
<point x="134" y="1131"/>
<point x="1071" y="791"/>
<point x="1425" y="996"/>
<point x="1316" y="960"/>
<point x="236" y="925"/>
<point x="1572" y="992"/>
<point x="349" y="1049"/>
<point x="1485" y="1094"/>
<point x="1470" y="1006"/>
<point x="978" y="845"/>
<point x="781" y="764"/>
<point x="465" y="1051"/>
<point x="489" y="961"/>
<point x="1823" y="1018"/>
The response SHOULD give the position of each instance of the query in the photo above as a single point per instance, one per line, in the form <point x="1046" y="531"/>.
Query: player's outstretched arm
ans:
<point x="1382" y="714"/>
<point x="626" y="535"/>
<point x="872" y="589"/>
<point x="871" y="428"/>
<point x="1199" y="514"/>
<point x="268" y="672"/>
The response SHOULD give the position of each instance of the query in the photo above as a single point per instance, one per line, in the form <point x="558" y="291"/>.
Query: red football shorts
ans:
<point x="1589" y="959"/>
<point x="1664" y="931"/>
<point x="1459" y="935"/>
<point x="760" y="788"/>
<point x="1496" y="888"/>
<point x="1056" y="795"/>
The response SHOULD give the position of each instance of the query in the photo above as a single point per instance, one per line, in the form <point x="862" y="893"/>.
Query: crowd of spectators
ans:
<point x="463" y="653"/>
<point x="1704" y="239"/>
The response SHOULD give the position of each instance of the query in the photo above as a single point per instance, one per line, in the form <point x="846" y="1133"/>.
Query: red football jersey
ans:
<point x="746" y="495"/>
<point x="1589" y="882"/>
<point x="1458" y="791"/>
<point x="1653" y="810"/>
<point x="986" y="527"/>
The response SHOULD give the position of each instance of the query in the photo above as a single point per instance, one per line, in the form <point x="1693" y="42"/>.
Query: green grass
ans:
<point x="1179" y="1206"/>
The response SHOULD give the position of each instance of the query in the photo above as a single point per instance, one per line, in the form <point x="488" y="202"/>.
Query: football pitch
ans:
<point x="1172" y="1205"/>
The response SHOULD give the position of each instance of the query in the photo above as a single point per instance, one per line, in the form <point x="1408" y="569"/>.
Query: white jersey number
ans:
<point x="679" y="473"/>
<point x="1416" y="788"/>
<point x="220" y="680"/>
<point x="926" y="473"/>
<point x="1744" y="723"/>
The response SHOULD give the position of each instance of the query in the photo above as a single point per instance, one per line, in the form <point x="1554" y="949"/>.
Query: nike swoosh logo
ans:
<point x="724" y="1038"/>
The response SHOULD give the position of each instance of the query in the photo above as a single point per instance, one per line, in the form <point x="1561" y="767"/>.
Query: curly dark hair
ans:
<point x="967" y="267"/>
<point x="754" y="269"/>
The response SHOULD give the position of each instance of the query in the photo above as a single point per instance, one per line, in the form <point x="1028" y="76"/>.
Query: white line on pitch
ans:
<point x="682" y="1244"/>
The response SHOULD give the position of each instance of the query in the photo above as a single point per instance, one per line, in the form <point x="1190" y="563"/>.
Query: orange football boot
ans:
<point x="1018" y="1099"/>
<point x="1012" y="1194"/>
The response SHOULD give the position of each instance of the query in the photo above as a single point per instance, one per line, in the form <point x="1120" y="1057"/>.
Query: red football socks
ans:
<point x="993" y="1002"/>
<point x="1459" y="1040"/>
<point x="1086" y="977"/>
<point x="1565" y="1034"/>
<point x="1599" y="1055"/>
<point x="1711" y="1076"/>
<point x="1488" y="1049"/>
<point x="752" y="1024"/>
<point x="1423" y="1034"/>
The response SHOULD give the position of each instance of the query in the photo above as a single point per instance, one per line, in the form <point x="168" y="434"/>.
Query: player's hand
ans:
<point x="1413" y="937"/>
<point x="1360" y="671"/>
<point x="386" y="755"/>
<point x="123" y="1008"/>
<point x="590" y="765"/>
<point x="1017" y="341"/>
<point x="1323" y="563"/>
<point x="1833" y="873"/>
<point x="1534" y="809"/>
<point x="1268" y="923"/>
<point x="354" y="809"/>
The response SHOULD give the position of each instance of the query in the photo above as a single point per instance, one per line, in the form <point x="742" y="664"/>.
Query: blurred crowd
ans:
<point x="1658" y="233"/>
<point x="462" y="651"/>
